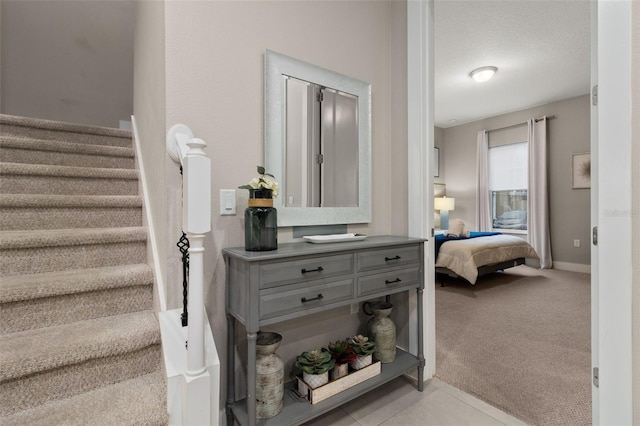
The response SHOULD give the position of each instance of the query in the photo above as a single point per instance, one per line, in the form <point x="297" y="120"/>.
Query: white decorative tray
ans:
<point x="335" y="238"/>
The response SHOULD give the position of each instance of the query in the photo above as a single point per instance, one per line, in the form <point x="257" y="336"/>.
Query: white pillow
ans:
<point x="456" y="228"/>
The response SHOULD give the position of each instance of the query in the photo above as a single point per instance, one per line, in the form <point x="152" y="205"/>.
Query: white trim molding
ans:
<point x="151" y="234"/>
<point x="572" y="267"/>
<point x="420" y="131"/>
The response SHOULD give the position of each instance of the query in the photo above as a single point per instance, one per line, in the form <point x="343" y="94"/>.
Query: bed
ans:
<point x="480" y="253"/>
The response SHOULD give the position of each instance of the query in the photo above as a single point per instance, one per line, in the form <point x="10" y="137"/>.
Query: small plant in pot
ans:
<point x="363" y="348"/>
<point x="315" y="366"/>
<point x="343" y="355"/>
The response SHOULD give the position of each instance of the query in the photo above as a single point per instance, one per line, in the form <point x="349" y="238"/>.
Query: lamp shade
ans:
<point x="444" y="203"/>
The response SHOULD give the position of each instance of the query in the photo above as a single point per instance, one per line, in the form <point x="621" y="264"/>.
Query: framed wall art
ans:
<point x="581" y="171"/>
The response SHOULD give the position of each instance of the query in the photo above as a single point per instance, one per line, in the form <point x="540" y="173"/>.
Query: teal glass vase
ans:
<point x="260" y="221"/>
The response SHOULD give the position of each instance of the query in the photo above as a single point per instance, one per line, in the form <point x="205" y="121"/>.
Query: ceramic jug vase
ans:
<point x="382" y="330"/>
<point x="269" y="376"/>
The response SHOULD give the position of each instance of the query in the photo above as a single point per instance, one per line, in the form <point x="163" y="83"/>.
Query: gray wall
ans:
<point x="568" y="134"/>
<point x="67" y="60"/>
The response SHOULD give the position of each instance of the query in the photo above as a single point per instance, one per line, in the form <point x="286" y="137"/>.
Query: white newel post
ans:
<point x="196" y="217"/>
<point x="196" y="222"/>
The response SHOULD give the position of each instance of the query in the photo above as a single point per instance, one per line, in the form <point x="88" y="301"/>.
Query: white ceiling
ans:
<point x="541" y="49"/>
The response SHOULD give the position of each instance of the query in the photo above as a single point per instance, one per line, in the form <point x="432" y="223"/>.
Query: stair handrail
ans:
<point x="185" y="149"/>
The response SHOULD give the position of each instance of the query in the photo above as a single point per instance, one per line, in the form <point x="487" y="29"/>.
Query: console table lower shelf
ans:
<point x="298" y="410"/>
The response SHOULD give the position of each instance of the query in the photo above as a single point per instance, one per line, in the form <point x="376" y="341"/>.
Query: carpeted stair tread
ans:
<point x="50" y="284"/>
<point x="45" y="211"/>
<point x="12" y="125"/>
<point x="61" y="146"/>
<point x="11" y="240"/>
<point x="32" y="351"/>
<point x="133" y="402"/>
<point x="23" y="150"/>
<point x="68" y="381"/>
<point x="65" y="309"/>
<point x="66" y="171"/>
<point x="53" y="200"/>
<point x="62" y="126"/>
<point x="68" y="217"/>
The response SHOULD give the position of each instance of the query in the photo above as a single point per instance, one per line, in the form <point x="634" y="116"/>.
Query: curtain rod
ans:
<point x="551" y="117"/>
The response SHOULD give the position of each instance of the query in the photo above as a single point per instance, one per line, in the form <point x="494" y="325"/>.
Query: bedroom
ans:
<point x="543" y="52"/>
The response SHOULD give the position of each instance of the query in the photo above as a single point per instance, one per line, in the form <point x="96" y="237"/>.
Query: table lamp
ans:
<point x="444" y="204"/>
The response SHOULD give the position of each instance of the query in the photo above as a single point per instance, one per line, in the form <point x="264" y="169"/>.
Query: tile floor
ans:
<point x="399" y="404"/>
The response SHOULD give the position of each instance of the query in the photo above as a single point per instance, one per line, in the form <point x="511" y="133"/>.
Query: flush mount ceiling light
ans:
<point x="483" y="74"/>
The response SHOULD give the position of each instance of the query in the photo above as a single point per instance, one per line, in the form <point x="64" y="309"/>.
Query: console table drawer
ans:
<point x="388" y="257"/>
<point x="388" y="281"/>
<point x="313" y="268"/>
<point x="276" y="303"/>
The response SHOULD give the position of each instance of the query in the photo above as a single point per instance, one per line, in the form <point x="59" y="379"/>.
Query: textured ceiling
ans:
<point x="541" y="49"/>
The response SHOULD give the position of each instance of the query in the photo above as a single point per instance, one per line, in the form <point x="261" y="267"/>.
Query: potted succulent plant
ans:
<point x="315" y="366"/>
<point x="363" y="348"/>
<point x="343" y="355"/>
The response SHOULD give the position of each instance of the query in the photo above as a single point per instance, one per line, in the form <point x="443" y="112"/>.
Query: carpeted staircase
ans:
<point x="79" y="341"/>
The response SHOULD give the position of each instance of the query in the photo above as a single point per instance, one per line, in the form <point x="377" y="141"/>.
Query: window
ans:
<point x="508" y="183"/>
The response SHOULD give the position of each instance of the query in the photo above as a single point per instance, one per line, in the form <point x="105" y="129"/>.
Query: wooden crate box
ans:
<point x="332" y="388"/>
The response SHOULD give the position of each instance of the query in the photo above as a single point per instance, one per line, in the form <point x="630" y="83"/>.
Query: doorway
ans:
<point x="612" y="400"/>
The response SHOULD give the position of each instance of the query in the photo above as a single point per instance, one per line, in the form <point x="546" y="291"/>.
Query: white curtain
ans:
<point x="538" y="197"/>
<point x="483" y="206"/>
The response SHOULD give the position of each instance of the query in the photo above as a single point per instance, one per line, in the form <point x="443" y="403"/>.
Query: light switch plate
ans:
<point x="227" y="202"/>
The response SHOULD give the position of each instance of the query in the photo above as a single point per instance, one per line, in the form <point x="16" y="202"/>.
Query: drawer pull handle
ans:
<point x="318" y="269"/>
<point x="318" y="297"/>
<point x="397" y="280"/>
<point x="387" y="259"/>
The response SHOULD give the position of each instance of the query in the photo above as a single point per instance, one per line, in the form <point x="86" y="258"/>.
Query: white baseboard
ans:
<point x="572" y="267"/>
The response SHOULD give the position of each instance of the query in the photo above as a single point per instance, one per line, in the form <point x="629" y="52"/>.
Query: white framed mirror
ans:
<point x="317" y="142"/>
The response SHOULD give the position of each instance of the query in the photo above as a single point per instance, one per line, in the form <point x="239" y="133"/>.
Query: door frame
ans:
<point x="420" y="135"/>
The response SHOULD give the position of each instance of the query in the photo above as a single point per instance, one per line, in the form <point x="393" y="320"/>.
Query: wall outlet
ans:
<point x="354" y="308"/>
<point x="576" y="243"/>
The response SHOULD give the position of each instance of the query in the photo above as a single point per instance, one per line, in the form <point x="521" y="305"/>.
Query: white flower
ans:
<point x="269" y="183"/>
<point x="255" y="183"/>
<point x="265" y="181"/>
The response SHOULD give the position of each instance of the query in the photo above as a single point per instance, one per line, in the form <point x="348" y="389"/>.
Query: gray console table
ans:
<point x="302" y="278"/>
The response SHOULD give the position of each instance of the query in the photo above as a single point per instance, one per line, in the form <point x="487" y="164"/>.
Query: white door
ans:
<point x="612" y="307"/>
<point x="594" y="210"/>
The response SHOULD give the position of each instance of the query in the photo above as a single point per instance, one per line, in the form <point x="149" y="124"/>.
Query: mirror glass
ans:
<point x="321" y="143"/>
<point x="317" y="142"/>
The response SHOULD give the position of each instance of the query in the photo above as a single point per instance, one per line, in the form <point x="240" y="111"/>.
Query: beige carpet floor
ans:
<point x="521" y="341"/>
